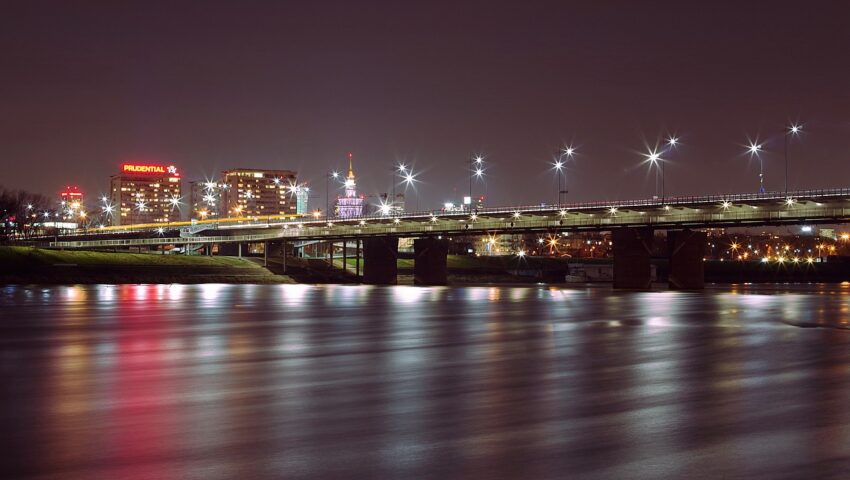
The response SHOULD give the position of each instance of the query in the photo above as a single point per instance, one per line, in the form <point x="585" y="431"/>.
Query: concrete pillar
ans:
<point x="686" y="249"/>
<point x="379" y="257"/>
<point x="265" y="254"/>
<point x="632" y="249"/>
<point x="240" y="250"/>
<point x="429" y="266"/>
<point x="357" y="258"/>
<point x="283" y="255"/>
<point x="345" y="256"/>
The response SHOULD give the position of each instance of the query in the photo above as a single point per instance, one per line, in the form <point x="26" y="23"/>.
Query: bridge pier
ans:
<point x="357" y="258"/>
<point x="429" y="265"/>
<point x="379" y="257"/>
<point x="686" y="249"/>
<point x="632" y="250"/>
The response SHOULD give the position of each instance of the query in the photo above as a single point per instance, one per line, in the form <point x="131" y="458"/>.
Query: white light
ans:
<point x="210" y="185"/>
<point x="362" y="222"/>
<point x="563" y="212"/>
<point x="569" y="151"/>
<point x="806" y="228"/>
<point x="396" y="220"/>
<point x="433" y="218"/>
<point x="754" y="148"/>
<point x="409" y="179"/>
<point x="521" y="253"/>
<point x="790" y="201"/>
<point x="385" y="208"/>
<point x="612" y="210"/>
<point x="517" y="214"/>
<point x="277" y="181"/>
<point x="672" y="141"/>
<point x="794" y="129"/>
<point x="479" y="172"/>
<point x="479" y="159"/>
<point x="473" y="217"/>
<point x="726" y="204"/>
<point x="652" y="156"/>
<point x="402" y="168"/>
<point x="559" y="165"/>
<point x="160" y="230"/>
<point x="335" y="174"/>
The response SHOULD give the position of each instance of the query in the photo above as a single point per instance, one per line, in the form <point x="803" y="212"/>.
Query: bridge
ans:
<point x="632" y="223"/>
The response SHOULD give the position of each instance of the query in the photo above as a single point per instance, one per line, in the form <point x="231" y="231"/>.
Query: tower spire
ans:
<point x="350" y="166"/>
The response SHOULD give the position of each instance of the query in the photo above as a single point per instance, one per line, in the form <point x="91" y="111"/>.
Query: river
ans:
<point x="302" y="381"/>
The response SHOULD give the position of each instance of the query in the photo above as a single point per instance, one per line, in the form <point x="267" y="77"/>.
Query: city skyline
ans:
<point x="208" y="91"/>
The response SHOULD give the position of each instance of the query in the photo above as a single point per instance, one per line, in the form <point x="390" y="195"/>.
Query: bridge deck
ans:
<point x="810" y="206"/>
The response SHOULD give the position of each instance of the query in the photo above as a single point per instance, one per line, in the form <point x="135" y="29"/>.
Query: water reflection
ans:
<point x="217" y="381"/>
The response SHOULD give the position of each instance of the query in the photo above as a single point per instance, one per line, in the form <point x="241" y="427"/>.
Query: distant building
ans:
<point x="302" y="198"/>
<point x="257" y="193"/>
<point x="349" y="205"/>
<point x="389" y="205"/>
<point x="71" y="200"/>
<point x="144" y="193"/>
<point x="204" y="198"/>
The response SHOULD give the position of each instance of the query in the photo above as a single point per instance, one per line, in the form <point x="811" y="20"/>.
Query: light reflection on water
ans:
<point x="159" y="381"/>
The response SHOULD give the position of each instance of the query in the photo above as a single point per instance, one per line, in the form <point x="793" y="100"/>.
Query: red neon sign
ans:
<point x="150" y="169"/>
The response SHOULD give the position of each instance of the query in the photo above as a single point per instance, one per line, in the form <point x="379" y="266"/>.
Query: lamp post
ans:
<point x="653" y="157"/>
<point x="793" y="129"/>
<point x="560" y="165"/>
<point x="328" y="177"/>
<point x="672" y="142"/>
<point x="755" y="149"/>
<point x="476" y="170"/>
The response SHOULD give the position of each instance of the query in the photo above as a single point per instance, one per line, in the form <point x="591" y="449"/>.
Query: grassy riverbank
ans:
<point x="33" y="265"/>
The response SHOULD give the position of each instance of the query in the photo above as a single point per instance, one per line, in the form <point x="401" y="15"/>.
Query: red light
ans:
<point x="140" y="169"/>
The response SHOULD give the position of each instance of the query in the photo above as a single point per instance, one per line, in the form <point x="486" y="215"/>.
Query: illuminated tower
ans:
<point x="350" y="205"/>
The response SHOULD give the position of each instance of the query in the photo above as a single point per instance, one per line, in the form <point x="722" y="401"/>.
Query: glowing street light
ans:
<point x="754" y="148"/>
<point x="328" y="177"/>
<point x="559" y="165"/>
<point x="793" y="130"/>
<point x="476" y="172"/>
<point x="653" y="157"/>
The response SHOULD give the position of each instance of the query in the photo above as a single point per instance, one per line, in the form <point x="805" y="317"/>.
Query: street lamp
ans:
<point x="755" y="149"/>
<point x="672" y="143"/>
<point x="559" y="165"/>
<point x="476" y="171"/>
<point x="334" y="175"/>
<point x="653" y="157"/>
<point x="790" y="130"/>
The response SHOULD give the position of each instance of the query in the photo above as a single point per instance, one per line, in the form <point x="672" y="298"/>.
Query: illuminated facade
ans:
<point x="204" y="199"/>
<point x="71" y="200"/>
<point x="349" y="205"/>
<point x="257" y="193"/>
<point x="145" y="194"/>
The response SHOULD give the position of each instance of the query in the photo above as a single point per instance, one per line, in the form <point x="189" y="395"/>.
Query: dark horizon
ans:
<point x="298" y="86"/>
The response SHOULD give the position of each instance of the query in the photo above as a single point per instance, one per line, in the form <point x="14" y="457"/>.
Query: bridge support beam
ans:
<point x="632" y="249"/>
<point x="379" y="260"/>
<point x="429" y="265"/>
<point x="687" y="249"/>
<point x="357" y="259"/>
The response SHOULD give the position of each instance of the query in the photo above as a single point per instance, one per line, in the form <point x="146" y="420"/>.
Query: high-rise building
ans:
<point x="302" y="198"/>
<point x="257" y="193"/>
<point x="145" y="194"/>
<point x="204" y="197"/>
<point x="349" y="205"/>
<point x="71" y="202"/>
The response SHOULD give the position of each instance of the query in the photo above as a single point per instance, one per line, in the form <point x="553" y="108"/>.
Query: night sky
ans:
<point x="85" y="86"/>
